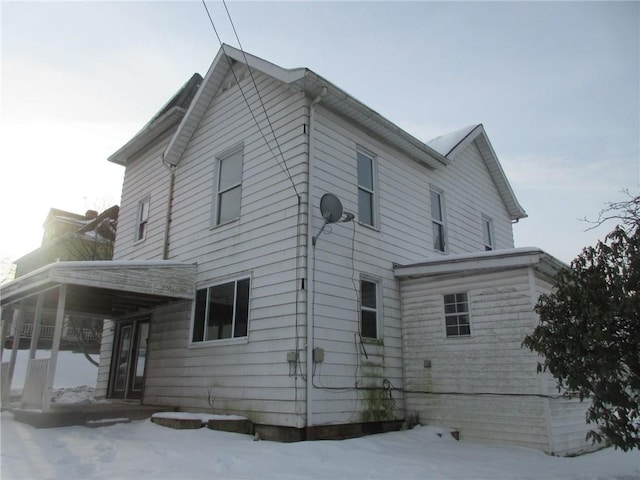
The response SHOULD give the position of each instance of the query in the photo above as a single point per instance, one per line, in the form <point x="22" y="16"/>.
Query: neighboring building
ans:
<point x="68" y="237"/>
<point x="228" y="289"/>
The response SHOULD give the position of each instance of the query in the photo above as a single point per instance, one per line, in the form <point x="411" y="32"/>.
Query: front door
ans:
<point x="129" y="356"/>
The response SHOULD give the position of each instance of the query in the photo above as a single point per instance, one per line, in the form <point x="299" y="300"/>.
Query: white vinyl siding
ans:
<point x="249" y="378"/>
<point x="144" y="175"/>
<point x="486" y="387"/>
<point x="253" y="378"/>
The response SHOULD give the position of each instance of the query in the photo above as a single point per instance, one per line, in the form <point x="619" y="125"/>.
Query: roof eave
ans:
<point x="481" y="262"/>
<point x="147" y="135"/>
<point x="348" y="106"/>
<point x="305" y="80"/>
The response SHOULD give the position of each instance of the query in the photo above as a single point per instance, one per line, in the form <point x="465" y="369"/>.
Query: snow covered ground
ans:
<point x="142" y="449"/>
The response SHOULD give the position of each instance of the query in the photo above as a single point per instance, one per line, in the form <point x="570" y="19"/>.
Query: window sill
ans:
<point x="225" y="224"/>
<point x="370" y="227"/>
<point x="221" y="342"/>
<point x="373" y="341"/>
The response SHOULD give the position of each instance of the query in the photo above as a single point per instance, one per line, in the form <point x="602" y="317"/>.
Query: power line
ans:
<point x="282" y="163"/>
<point x="264" y="109"/>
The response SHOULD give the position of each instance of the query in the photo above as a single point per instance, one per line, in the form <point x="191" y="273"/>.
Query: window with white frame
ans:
<point x="487" y="232"/>
<point x="221" y="311"/>
<point x="437" y="220"/>
<point x="456" y="315"/>
<point x="366" y="188"/>
<point x="142" y="219"/>
<point x="228" y="187"/>
<point x="369" y="309"/>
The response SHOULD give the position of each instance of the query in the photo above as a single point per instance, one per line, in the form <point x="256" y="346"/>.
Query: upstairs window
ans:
<point x="369" y="308"/>
<point x="221" y="311"/>
<point x="142" y="219"/>
<point x="456" y="315"/>
<point x="366" y="190"/>
<point x="437" y="220"/>
<point x="228" y="187"/>
<point x="487" y="231"/>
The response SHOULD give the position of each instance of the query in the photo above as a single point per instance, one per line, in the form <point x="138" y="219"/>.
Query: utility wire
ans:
<point x="260" y="98"/>
<point x="246" y="101"/>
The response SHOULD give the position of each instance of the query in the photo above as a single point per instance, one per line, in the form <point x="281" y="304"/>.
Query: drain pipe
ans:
<point x="167" y="225"/>
<point x="310" y="253"/>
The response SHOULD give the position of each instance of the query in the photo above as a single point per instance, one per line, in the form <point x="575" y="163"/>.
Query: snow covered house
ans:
<point x="288" y="254"/>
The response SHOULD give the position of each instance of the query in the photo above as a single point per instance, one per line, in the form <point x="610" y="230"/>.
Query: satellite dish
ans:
<point x="331" y="208"/>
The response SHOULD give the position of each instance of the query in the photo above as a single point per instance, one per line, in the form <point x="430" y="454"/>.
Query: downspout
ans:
<point x="167" y="225"/>
<point x="310" y="253"/>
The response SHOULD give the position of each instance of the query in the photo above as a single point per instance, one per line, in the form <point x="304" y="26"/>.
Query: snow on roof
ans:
<point x="444" y="144"/>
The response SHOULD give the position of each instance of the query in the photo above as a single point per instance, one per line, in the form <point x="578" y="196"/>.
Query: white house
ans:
<point x="404" y="295"/>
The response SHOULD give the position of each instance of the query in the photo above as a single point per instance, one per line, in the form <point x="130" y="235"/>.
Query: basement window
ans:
<point x="221" y="311"/>
<point x="456" y="315"/>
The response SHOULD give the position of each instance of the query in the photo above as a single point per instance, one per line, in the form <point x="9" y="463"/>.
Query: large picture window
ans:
<point x="437" y="220"/>
<point x="456" y="315"/>
<point x="228" y="187"/>
<point x="222" y="311"/>
<point x="366" y="189"/>
<point x="142" y="219"/>
<point x="369" y="308"/>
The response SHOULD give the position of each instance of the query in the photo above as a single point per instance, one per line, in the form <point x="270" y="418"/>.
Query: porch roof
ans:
<point x="106" y="288"/>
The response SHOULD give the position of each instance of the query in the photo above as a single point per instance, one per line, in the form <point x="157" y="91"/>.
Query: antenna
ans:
<point x="331" y="208"/>
<point x="332" y="212"/>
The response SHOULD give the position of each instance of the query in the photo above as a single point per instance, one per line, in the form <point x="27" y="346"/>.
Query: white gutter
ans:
<point x="310" y="253"/>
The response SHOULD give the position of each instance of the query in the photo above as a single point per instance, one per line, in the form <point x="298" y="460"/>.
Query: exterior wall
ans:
<point x="253" y="376"/>
<point x="402" y="235"/>
<point x="248" y="376"/>
<point x="484" y="385"/>
<point x="569" y="427"/>
<point x="145" y="176"/>
<point x="469" y="194"/>
<point x="566" y="416"/>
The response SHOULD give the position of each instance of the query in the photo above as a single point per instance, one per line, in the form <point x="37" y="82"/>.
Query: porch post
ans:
<point x="35" y="334"/>
<point x="55" y="346"/>
<point x="6" y="387"/>
<point x="6" y="316"/>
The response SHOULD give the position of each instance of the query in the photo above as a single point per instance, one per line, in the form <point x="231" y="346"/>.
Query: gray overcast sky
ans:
<point x="556" y="85"/>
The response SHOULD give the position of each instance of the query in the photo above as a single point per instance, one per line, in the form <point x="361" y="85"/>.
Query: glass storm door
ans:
<point x="129" y="357"/>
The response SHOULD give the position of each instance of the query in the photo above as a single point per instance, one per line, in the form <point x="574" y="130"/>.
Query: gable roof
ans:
<point x="168" y="116"/>
<point x="452" y="144"/>
<point x="300" y="79"/>
<point x="187" y="108"/>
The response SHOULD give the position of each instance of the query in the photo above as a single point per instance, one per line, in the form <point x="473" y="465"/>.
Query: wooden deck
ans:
<point x="89" y="415"/>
